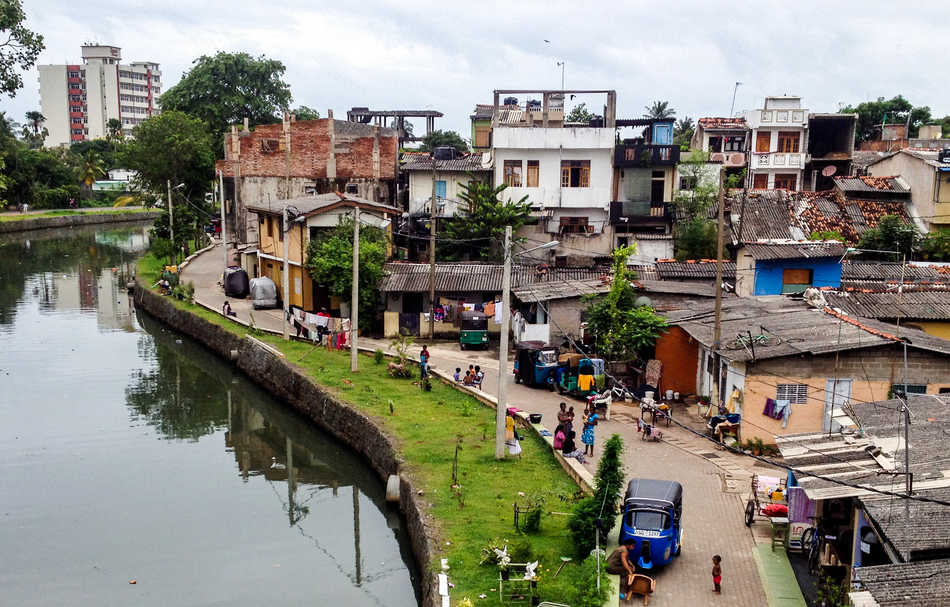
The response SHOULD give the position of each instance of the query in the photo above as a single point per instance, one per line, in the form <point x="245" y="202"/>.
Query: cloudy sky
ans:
<point x="450" y="55"/>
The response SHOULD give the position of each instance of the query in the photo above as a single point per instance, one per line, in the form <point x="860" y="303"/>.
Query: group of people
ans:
<point x="473" y="376"/>
<point x="565" y="436"/>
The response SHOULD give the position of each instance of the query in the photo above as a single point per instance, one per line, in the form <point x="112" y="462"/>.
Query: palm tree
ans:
<point x="35" y="118"/>
<point x="90" y="169"/>
<point x="659" y="110"/>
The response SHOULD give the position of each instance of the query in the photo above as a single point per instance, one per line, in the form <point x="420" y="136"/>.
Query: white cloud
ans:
<point x="451" y="55"/>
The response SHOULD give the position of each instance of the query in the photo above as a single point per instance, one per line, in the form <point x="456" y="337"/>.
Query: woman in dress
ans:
<point x="587" y="437"/>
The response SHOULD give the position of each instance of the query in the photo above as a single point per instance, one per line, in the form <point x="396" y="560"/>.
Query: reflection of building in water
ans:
<point x="128" y="241"/>
<point x="114" y="311"/>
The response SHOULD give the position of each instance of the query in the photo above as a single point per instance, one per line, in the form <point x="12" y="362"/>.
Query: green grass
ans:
<point x="66" y="212"/>
<point x="427" y="427"/>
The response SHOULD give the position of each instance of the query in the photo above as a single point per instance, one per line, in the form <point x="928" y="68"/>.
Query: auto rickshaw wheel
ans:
<point x="749" y="513"/>
<point x="461" y="346"/>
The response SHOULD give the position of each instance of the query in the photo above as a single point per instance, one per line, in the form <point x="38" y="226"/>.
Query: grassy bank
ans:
<point x="475" y="505"/>
<point x="67" y="212"/>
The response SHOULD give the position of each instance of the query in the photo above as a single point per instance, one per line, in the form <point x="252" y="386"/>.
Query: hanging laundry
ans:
<point x="438" y="312"/>
<point x="489" y="309"/>
<point x="769" y="410"/>
<point x="783" y="409"/>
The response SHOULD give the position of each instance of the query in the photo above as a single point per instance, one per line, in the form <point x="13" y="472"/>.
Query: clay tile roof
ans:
<point x="870" y="184"/>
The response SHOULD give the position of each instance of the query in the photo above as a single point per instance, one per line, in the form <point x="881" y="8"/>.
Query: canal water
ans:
<point x="129" y="452"/>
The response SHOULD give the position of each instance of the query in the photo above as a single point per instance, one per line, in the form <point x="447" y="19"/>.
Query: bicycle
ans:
<point x="814" y="538"/>
<point x="620" y="392"/>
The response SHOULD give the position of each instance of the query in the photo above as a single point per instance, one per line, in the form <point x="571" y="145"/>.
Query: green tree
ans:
<point x="826" y="235"/>
<point x="89" y="170"/>
<point x="871" y="114"/>
<point x="579" y="113"/>
<point x="602" y="505"/>
<point x="228" y="87"/>
<point x="330" y="262"/>
<point x="702" y="187"/>
<point x="479" y="233"/>
<point x="175" y="147"/>
<point x="20" y="49"/>
<point x="110" y="151"/>
<point x="622" y="330"/>
<point x="936" y="245"/>
<point x="35" y="119"/>
<point x="945" y="126"/>
<point x="659" y="110"/>
<point x="891" y="234"/>
<point x="437" y="139"/>
<point x="695" y="239"/>
<point x="34" y="133"/>
<point x="683" y="131"/>
<point x="306" y="113"/>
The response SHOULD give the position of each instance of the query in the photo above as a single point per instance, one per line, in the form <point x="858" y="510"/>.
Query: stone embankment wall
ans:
<point x="285" y="381"/>
<point x="68" y="221"/>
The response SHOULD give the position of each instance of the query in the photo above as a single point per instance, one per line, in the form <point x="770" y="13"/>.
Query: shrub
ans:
<point x="521" y="550"/>
<point x="586" y="592"/>
<point x="378" y="356"/>
<point x="608" y="483"/>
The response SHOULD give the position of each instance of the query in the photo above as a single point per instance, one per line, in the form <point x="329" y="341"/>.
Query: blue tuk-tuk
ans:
<point x="535" y="364"/>
<point x="652" y="516"/>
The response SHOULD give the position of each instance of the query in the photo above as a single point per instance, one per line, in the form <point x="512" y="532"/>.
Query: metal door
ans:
<point x="841" y="388"/>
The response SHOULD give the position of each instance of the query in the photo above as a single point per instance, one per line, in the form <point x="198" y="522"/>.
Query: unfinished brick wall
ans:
<point x="261" y="152"/>
<point x="680" y="356"/>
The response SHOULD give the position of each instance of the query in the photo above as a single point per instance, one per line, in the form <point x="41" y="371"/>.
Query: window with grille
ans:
<point x="574" y="225"/>
<point x="575" y="173"/>
<point x="902" y="390"/>
<point x="788" y="142"/>
<point x="797" y="394"/>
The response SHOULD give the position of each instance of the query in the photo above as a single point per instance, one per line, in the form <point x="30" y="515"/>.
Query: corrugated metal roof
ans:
<point x="795" y="250"/>
<point x="473" y="277"/>
<point x="675" y="287"/>
<point x="918" y="583"/>
<point x="883" y="271"/>
<point x="562" y="289"/>
<point x="914" y="305"/>
<point x="482" y="111"/>
<point x="694" y="270"/>
<point x="470" y="162"/>
<point x="789" y="327"/>
<point x="928" y="156"/>
<point x="306" y="205"/>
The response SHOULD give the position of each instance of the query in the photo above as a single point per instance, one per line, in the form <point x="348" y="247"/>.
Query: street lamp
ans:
<point x="502" y="405"/>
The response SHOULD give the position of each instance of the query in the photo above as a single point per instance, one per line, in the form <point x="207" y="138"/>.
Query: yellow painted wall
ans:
<point x="938" y="328"/>
<point x="302" y="296"/>
<point x="270" y="239"/>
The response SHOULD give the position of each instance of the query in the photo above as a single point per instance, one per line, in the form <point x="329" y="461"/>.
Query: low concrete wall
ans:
<point x="67" y="221"/>
<point x="287" y="382"/>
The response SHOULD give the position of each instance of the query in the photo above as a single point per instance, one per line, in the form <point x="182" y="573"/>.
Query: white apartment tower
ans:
<point x="79" y="100"/>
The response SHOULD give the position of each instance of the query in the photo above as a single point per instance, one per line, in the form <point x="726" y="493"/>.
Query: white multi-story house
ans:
<point x="779" y="137"/>
<point x="78" y="100"/>
<point x="588" y="191"/>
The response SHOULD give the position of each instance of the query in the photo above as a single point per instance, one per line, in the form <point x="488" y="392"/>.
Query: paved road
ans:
<point x="715" y="482"/>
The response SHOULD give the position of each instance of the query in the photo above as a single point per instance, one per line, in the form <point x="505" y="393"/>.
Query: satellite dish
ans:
<point x="829" y="170"/>
<point x="641" y="301"/>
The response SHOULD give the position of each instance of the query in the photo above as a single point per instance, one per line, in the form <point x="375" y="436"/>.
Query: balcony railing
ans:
<point x="640" y="212"/>
<point x="644" y="155"/>
<point x="728" y="159"/>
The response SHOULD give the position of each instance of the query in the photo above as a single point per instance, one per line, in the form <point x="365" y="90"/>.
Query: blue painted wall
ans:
<point x="826" y="272"/>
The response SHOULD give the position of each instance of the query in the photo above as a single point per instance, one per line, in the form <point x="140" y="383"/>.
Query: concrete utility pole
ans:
<point x="285" y="275"/>
<point x="732" y="108"/>
<point x="355" y="293"/>
<point x="171" y="220"/>
<point x="224" y="230"/>
<point x="502" y="405"/>
<point x="435" y="178"/>
<point x="717" y="329"/>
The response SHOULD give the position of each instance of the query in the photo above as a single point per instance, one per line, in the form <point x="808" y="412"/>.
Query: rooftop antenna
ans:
<point x="733" y="106"/>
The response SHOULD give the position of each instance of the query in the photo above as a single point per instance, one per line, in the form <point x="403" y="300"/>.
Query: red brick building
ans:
<point x="300" y="158"/>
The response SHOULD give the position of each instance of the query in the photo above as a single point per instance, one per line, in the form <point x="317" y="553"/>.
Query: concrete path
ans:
<point x="34" y="211"/>
<point x="716" y="483"/>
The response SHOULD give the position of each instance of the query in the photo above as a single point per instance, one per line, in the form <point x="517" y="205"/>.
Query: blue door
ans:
<point x="440" y="189"/>
<point x="663" y="133"/>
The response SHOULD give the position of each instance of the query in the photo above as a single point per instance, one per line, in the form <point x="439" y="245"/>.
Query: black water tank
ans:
<point x="444" y="152"/>
<point x="511" y="101"/>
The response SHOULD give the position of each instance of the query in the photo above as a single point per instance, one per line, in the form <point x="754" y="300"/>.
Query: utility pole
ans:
<point x="224" y="229"/>
<point x="285" y="275"/>
<point x="561" y="64"/>
<point x="355" y="293"/>
<point x="732" y="108"/>
<point x="502" y="405"/>
<point x="171" y="220"/>
<point x="435" y="177"/>
<point x="717" y="329"/>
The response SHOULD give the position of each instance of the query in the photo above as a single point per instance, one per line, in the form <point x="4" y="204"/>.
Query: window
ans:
<point x="760" y="181"/>
<point x="796" y="280"/>
<point x="735" y="143"/>
<point x="513" y="173"/>
<point x="533" y="170"/>
<point x="575" y="173"/>
<point x="623" y="241"/>
<point x="482" y="136"/>
<point x="574" y="225"/>
<point x="796" y="394"/>
<point x="788" y="142"/>
<point x="786" y="181"/>
<point x="763" y="141"/>
<point x="715" y="144"/>
<point x="902" y="390"/>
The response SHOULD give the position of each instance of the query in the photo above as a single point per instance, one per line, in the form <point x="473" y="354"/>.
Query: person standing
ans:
<point x="564" y="418"/>
<point x="587" y="437"/>
<point x="424" y="362"/>
<point x="717" y="574"/>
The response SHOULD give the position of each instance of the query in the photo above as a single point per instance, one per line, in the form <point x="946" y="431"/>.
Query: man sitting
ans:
<point x="618" y="563"/>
